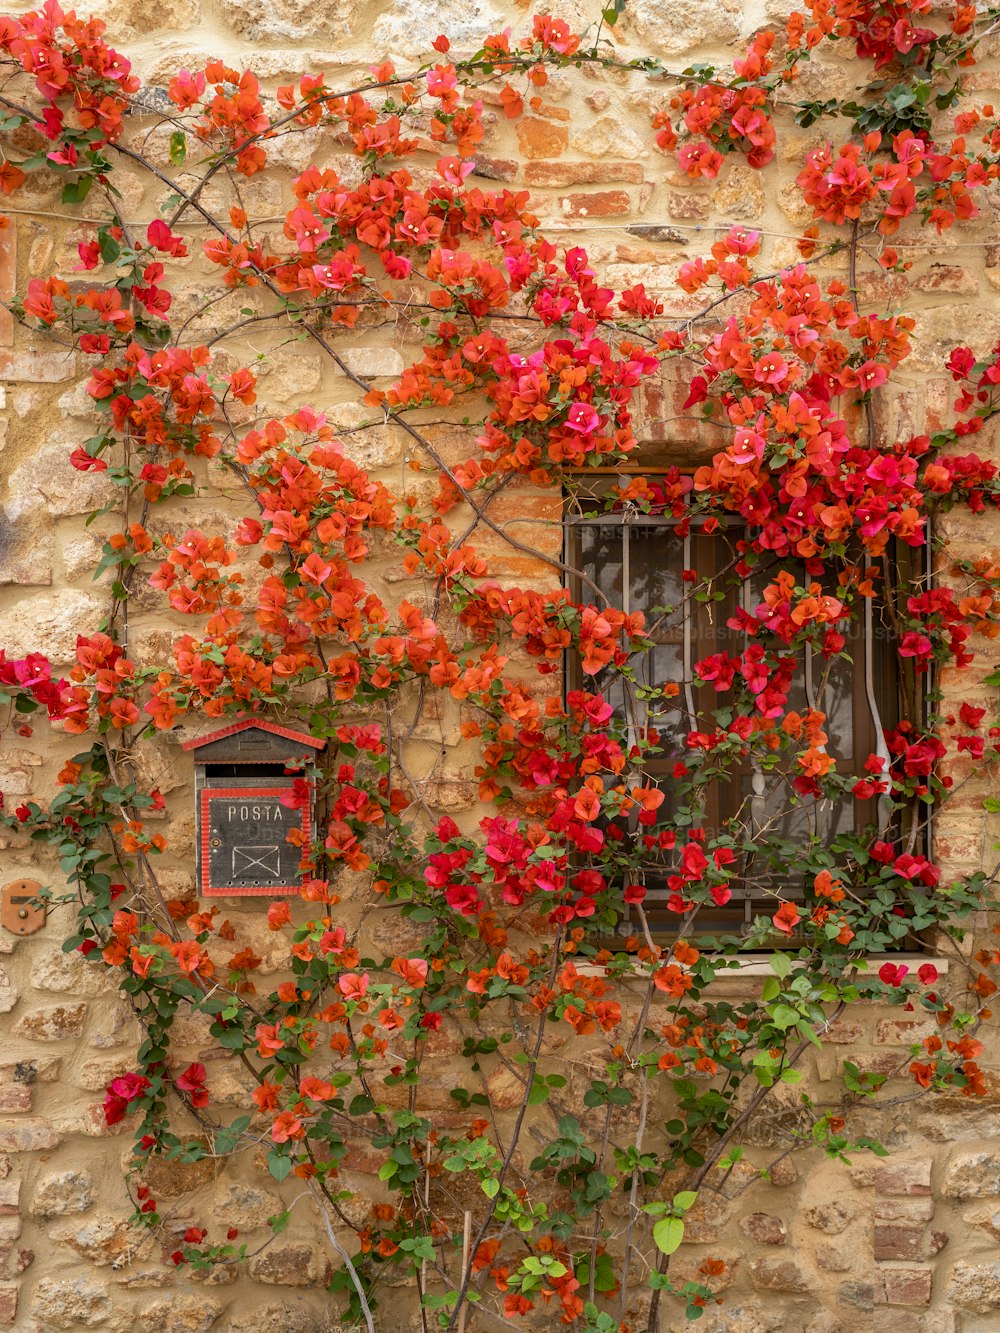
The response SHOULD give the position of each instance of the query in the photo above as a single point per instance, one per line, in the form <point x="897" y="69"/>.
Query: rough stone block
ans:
<point x="47" y="480"/>
<point x="972" y="1175"/>
<point x="104" y="1239"/>
<point x="78" y="1300"/>
<point x="975" y="1287"/>
<point x="764" y="1229"/>
<point x="27" y="1136"/>
<point x="8" y="276"/>
<point x="63" y="1192"/>
<point x="372" y="362"/>
<point x="245" y="1206"/>
<point x="9" y="995"/>
<point x="50" y="623"/>
<point x="285" y="1265"/>
<point x="55" y="970"/>
<point x="181" y="1314"/>
<point x="57" y="1023"/>
<point x="540" y="138"/>
<point x="831" y="1218"/>
<point x="37" y="367"/>
<point x="857" y="1295"/>
<point x="774" y="1273"/>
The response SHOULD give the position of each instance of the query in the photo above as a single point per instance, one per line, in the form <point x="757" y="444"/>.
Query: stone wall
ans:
<point x="906" y="1246"/>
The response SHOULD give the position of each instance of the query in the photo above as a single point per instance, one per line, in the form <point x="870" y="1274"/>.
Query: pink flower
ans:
<point x="352" y="986"/>
<point x="583" y="418"/>
<point x="120" y="1093"/>
<point x="453" y="170"/>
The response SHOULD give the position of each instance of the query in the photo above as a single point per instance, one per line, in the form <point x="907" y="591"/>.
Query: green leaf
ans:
<point x="491" y="1188"/>
<point x="278" y="1165"/>
<point x="771" y="989"/>
<point x="110" y="250"/>
<point x="781" y="964"/>
<point x="539" y="1092"/>
<point x="668" y="1234"/>
<point x="804" y="1030"/>
<point x="784" y="1016"/>
<point x="685" y="1200"/>
<point x="178" y="147"/>
<point x="74" y="192"/>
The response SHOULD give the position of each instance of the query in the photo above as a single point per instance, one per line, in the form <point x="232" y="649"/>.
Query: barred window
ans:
<point x="644" y="562"/>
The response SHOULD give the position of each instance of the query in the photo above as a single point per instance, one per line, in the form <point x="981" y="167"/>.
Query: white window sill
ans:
<point x="753" y="965"/>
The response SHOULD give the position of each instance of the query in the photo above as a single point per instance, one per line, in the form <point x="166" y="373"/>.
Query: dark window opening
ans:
<point x="639" y="562"/>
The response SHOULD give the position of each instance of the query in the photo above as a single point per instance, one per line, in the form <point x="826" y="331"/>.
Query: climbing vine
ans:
<point x="561" y="944"/>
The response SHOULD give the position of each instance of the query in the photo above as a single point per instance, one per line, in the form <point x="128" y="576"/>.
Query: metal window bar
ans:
<point x="746" y="902"/>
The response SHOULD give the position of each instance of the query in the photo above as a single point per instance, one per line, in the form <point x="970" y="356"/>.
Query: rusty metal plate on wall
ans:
<point x="19" y="912"/>
<point x="244" y="847"/>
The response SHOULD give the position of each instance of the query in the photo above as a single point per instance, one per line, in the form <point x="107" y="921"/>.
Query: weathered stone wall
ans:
<point x="907" y="1246"/>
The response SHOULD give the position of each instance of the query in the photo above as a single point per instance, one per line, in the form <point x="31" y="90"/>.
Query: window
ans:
<point x="639" y="561"/>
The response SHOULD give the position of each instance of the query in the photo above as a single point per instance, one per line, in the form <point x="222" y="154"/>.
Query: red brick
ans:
<point x="903" y="1286"/>
<point x="894" y="1241"/>
<point x="16" y="1097"/>
<point x="539" y="138"/>
<point x="600" y="204"/>
<point x="8" y="1303"/>
<point x="889" y="1063"/>
<point x="495" y="168"/>
<point x="582" y="173"/>
<point x="948" y="278"/>
<point x="551" y="112"/>
<point x="889" y="1208"/>
<point x="902" y="1031"/>
<point x="904" y="1178"/>
<point x="844" y="1033"/>
<point x="898" y="1322"/>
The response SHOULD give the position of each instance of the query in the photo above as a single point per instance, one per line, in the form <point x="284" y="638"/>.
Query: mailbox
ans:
<point x="241" y="826"/>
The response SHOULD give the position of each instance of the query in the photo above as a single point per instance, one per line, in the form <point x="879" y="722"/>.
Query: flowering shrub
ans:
<point x="509" y="919"/>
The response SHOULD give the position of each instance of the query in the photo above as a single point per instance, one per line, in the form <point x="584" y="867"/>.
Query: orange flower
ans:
<point x="287" y="1126"/>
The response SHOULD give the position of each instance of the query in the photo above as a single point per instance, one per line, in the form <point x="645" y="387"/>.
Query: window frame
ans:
<point x="871" y="686"/>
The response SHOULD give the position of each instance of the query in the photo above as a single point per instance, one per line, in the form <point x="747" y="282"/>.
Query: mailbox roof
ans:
<point x="259" y="724"/>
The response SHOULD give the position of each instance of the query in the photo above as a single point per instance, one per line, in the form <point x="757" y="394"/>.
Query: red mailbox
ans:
<point x="241" y="825"/>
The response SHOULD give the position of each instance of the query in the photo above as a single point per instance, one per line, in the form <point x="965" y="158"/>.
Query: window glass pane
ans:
<point x="598" y="556"/>
<point x="834" y="681"/>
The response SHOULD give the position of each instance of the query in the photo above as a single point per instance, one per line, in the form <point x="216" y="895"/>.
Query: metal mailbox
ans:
<point x="241" y="826"/>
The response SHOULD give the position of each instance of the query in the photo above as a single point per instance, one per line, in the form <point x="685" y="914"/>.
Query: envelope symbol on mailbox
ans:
<point x="257" y="860"/>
